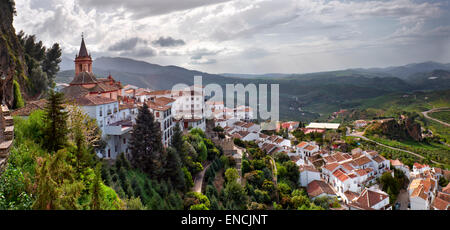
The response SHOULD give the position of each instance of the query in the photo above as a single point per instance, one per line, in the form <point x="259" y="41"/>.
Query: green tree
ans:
<point x="177" y="138"/>
<point x="55" y="131"/>
<point x="96" y="190"/>
<point x="173" y="169"/>
<point x="56" y="186"/>
<point x="145" y="144"/>
<point x="231" y="175"/>
<point x="50" y="65"/>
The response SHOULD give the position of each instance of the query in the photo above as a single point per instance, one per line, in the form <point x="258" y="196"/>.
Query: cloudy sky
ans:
<point x="247" y="36"/>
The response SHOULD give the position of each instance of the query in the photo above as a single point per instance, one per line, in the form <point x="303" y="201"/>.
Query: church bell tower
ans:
<point x="83" y="61"/>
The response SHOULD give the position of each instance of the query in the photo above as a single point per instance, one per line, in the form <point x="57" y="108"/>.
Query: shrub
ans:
<point x="18" y="100"/>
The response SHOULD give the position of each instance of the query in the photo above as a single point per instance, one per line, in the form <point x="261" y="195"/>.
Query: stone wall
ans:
<point x="6" y="135"/>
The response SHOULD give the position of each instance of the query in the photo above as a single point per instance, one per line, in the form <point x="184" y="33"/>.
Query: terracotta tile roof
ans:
<point x="379" y="159"/>
<point x="243" y="133"/>
<point x="279" y="141"/>
<point x="447" y="174"/>
<point x="352" y="175"/>
<point x="351" y="195"/>
<point x="84" y="78"/>
<point x="268" y="147"/>
<point x="414" y="184"/>
<point x="329" y="159"/>
<point x="263" y="136"/>
<point x="74" y="91"/>
<point x="163" y="100"/>
<point x="273" y="138"/>
<point x="127" y="106"/>
<point x="311" y="147"/>
<point x="372" y="153"/>
<point x="29" y="108"/>
<point x="348" y="167"/>
<point x="308" y="168"/>
<point x="319" y="187"/>
<point x="331" y="167"/>
<point x="275" y="150"/>
<point x="446" y="189"/>
<point x="158" y="107"/>
<point x="340" y="175"/>
<point x="248" y="125"/>
<point x="295" y="159"/>
<point x="362" y="161"/>
<point x="419" y="166"/>
<point x="361" y="172"/>
<point x="396" y="163"/>
<point x="91" y="100"/>
<point x="438" y="170"/>
<point x="441" y="202"/>
<point x="419" y="192"/>
<point x="339" y="157"/>
<point x="302" y="144"/>
<point x="236" y="136"/>
<point x="368" y="199"/>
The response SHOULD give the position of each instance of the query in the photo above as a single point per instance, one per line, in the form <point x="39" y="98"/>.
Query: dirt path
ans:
<point x="198" y="182"/>
<point x="425" y="114"/>
<point x="386" y="146"/>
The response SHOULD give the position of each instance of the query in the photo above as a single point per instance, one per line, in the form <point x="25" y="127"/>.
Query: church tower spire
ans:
<point x="83" y="61"/>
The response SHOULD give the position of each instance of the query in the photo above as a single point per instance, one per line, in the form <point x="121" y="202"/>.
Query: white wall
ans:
<point x="307" y="177"/>
<point x="418" y="203"/>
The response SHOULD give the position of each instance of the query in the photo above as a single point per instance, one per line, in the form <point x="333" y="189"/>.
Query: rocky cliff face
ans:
<point x="403" y="129"/>
<point x="413" y="129"/>
<point x="12" y="62"/>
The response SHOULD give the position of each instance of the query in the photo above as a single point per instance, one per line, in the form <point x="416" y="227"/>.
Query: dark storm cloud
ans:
<point x="200" y="53"/>
<point x="143" y="52"/>
<point x="168" y="42"/>
<point x="126" y="44"/>
<point x="146" y="8"/>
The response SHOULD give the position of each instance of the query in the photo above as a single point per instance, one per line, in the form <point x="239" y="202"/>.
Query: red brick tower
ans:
<point x="83" y="61"/>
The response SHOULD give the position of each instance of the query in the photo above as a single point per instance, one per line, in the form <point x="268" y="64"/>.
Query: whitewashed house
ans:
<point x="371" y="199"/>
<point x="308" y="174"/>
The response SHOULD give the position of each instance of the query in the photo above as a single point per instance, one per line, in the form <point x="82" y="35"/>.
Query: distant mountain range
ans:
<point x="397" y="71"/>
<point x="302" y="96"/>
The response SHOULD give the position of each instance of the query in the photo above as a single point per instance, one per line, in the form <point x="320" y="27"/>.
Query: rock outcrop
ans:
<point x="6" y="135"/>
<point x="12" y="61"/>
<point x="404" y="129"/>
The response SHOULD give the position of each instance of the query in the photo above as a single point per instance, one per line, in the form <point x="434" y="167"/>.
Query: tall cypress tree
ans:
<point x="145" y="144"/>
<point x="177" y="138"/>
<point x="55" y="131"/>
<point x="96" y="189"/>
<point x="173" y="169"/>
